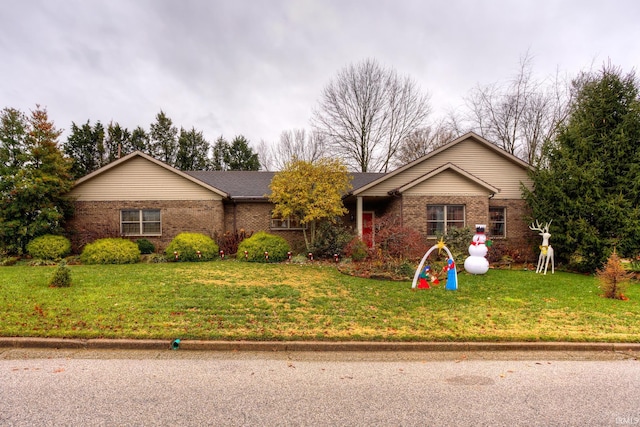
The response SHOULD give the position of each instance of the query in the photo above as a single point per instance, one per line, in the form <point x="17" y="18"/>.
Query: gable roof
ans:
<point x="140" y="154"/>
<point x="448" y="166"/>
<point x="470" y="135"/>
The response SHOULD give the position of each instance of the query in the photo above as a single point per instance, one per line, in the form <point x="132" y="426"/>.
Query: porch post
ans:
<point x="359" y="216"/>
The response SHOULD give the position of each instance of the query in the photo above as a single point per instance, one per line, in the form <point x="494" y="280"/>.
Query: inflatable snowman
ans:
<point x="476" y="263"/>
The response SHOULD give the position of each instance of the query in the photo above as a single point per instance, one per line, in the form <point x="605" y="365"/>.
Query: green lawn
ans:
<point x="232" y="301"/>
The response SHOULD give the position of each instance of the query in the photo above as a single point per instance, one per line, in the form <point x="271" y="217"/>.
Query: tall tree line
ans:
<point x="91" y="146"/>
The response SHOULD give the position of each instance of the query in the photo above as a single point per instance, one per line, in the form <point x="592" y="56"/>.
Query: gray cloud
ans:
<point x="258" y="67"/>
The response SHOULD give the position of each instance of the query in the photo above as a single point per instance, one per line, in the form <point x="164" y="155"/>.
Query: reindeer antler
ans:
<point x="539" y="227"/>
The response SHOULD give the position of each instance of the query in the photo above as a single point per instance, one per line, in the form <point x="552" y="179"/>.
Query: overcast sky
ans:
<point x="258" y="67"/>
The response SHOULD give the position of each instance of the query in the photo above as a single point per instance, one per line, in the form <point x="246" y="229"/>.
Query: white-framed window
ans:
<point x="140" y="222"/>
<point x="441" y="218"/>
<point x="497" y="221"/>
<point x="289" y="223"/>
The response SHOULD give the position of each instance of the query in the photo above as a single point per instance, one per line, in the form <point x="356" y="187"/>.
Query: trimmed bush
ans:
<point x="187" y="246"/>
<point x="262" y="242"/>
<point x="61" y="277"/>
<point x="145" y="246"/>
<point x="49" y="247"/>
<point x="110" y="251"/>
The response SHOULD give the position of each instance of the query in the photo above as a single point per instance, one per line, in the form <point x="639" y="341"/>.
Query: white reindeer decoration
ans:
<point x="546" y="251"/>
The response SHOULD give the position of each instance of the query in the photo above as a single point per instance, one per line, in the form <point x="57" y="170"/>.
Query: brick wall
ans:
<point x="95" y="220"/>
<point x="256" y="216"/>
<point x="519" y="237"/>
<point x="414" y="209"/>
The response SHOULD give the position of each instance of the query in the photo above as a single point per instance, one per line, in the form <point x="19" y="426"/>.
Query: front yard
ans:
<point x="230" y="300"/>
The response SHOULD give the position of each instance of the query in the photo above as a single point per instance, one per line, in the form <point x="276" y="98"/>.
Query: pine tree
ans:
<point x="591" y="187"/>
<point x="117" y="143"/>
<point x="140" y="141"/>
<point x="240" y="156"/>
<point x="163" y="141"/>
<point x="237" y="156"/>
<point x="85" y="146"/>
<point x="193" y="151"/>
<point x="220" y="149"/>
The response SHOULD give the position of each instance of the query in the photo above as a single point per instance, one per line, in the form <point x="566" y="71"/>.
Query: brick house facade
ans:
<point x="471" y="176"/>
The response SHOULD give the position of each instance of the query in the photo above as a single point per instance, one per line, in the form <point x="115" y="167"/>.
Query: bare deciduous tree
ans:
<point x="423" y="141"/>
<point x="366" y="112"/>
<point x="522" y="115"/>
<point x="298" y="144"/>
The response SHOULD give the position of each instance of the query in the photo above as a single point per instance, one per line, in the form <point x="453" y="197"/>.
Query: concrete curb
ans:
<point x="312" y="346"/>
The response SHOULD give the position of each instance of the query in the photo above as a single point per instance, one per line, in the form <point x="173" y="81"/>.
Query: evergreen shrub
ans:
<point x="187" y="246"/>
<point x="49" y="247"/>
<point x="61" y="277"/>
<point x="110" y="251"/>
<point x="145" y="246"/>
<point x="262" y="242"/>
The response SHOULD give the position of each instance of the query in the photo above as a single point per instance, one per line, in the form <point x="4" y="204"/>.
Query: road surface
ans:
<point x="191" y="388"/>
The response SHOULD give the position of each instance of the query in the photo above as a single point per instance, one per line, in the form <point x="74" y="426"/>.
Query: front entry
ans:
<point x="367" y="228"/>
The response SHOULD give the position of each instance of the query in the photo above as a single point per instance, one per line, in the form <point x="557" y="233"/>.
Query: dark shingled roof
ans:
<point x="255" y="185"/>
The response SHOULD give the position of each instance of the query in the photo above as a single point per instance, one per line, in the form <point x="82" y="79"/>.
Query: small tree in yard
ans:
<point x="310" y="192"/>
<point x="613" y="278"/>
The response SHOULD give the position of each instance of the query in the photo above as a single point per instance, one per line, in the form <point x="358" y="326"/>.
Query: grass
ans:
<point x="238" y="301"/>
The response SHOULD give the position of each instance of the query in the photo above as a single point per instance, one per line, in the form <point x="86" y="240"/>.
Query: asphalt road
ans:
<point x="178" y="388"/>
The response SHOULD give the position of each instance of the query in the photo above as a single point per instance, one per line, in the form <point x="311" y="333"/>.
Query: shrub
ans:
<point x="331" y="239"/>
<point x="110" y="251"/>
<point x="49" y="247"/>
<point x="154" y="259"/>
<point x="613" y="278"/>
<point x="357" y="250"/>
<point x="262" y="242"/>
<point x="458" y="240"/>
<point x="229" y="241"/>
<point x="9" y="261"/>
<point x="187" y="246"/>
<point x="61" y="277"/>
<point x="145" y="246"/>
<point x="398" y="241"/>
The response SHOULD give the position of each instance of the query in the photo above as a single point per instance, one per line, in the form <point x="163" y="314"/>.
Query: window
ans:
<point x="140" y="222"/>
<point x="289" y="223"/>
<point x="442" y="218"/>
<point x="497" y="221"/>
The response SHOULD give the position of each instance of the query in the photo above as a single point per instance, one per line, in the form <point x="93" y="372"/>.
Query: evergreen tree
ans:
<point x="13" y="133"/>
<point x="220" y="148"/>
<point x="591" y="188"/>
<point x="140" y="141"/>
<point x="193" y="151"/>
<point x="32" y="200"/>
<point x="117" y="142"/>
<point x="85" y="146"/>
<point x="163" y="141"/>
<point x="240" y="156"/>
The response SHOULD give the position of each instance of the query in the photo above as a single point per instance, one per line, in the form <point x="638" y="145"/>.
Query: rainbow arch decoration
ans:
<point x="452" y="274"/>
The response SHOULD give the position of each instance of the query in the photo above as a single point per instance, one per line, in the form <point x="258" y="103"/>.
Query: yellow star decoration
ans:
<point x="440" y="245"/>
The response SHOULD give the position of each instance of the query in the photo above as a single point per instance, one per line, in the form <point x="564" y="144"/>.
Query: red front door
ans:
<point x="367" y="228"/>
